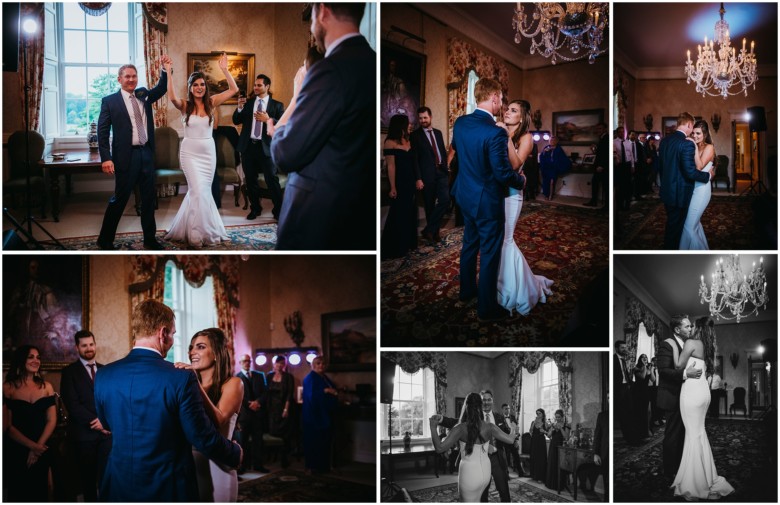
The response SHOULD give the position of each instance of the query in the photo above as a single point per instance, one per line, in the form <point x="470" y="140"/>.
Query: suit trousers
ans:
<point x="249" y="436"/>
<point x="436" y="194"/>
<point x="255" y="162"/>
<point x="599" y="188"/>
<point x="484" y="236"/>
<point x="675" y="220"/>
<point x="674" y="438"/>
<point x="625" y="185"/>
<point x="91" y="461"/>
<point x="623" y="410"/>
<point x="499" y="472"/>
<point x="140" y="170"/>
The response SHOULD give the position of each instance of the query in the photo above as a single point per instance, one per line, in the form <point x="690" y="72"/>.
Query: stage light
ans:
<point x="536" y="137"/>
<point x="546" y="136"/>
<point x="310" y="357"/>
<point x="761" y="349"/>
<point x="30" y="26"/>
<point x="261" y="359"/>
<point x="747" y="116"/>
<point x="294" y="359"/>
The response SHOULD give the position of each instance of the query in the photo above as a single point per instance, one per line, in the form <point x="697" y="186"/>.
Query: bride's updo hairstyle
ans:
<point x="223" y="369"/>
<point x="705" y="331"/>
<point x="191" y="100"/>
<point x="471" y="415"/>
<point x="705" y="129"/>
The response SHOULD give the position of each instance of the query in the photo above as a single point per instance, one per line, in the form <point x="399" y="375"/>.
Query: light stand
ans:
<point x="391" y="488"/>
<point x="756" y="187"/>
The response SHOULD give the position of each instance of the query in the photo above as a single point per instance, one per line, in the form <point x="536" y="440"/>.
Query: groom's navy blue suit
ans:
<point x="156" y="416"/>
<point x="483" y="173"/>
<point x="668" y="399"/>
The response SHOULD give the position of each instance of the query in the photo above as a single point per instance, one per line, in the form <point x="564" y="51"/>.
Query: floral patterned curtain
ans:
<point x="620" y="84"/>
<point x="155" y="21"/>
<point x="95" y="8"/>
<point x="412" y="362"/>
<point x="462" y="58"/>
<point x="531" y="361"/>
<point x="147" y="280"/>
<point x="35" y="59"/>
<point x="636" y="313"/>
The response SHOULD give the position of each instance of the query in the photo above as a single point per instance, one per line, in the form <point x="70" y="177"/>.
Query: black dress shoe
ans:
<point x="251" y="215"/>
<point x="498" y="315"/>
<point x="153" y="245"/>
<point x="105" y="246"/>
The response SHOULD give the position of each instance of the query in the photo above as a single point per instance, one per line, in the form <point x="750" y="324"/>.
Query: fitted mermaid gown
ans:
<point x="693" y="234"/>
<point x="474" y="472"/>
<point x="697" y="477"/>
<point x="198" y="221"/>
<point x="518" y="287"/>
<point x="216" y="483"/>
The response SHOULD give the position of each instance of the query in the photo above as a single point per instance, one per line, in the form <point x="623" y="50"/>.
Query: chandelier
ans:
<point x="569" y="31"/>
<point x="718" y="70"/>
<point x="732" y="293"/>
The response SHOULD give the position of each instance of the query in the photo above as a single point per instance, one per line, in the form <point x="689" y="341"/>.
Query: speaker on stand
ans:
<point x="757" y="123"/>
<point x="390" y="490"/>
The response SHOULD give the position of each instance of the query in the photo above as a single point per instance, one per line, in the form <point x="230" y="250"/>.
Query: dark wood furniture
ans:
<point x="569" y="460"/>
<point x="77" y="161"/>
<point x="414" y="453"/>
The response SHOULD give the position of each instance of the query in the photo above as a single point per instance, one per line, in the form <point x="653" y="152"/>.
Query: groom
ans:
<point x="484" y="172"/>
<point x="668" y="399"/>
<point x="678" y="174"/>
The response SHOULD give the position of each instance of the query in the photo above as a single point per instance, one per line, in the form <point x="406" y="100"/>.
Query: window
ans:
<point x="414" y="402"/>
<point x="194" y="309"/>
<point x="615" y="111"/>
<point x="471" y="101"/>
<point x="540" y="390"/>
<point x="644" y="344"/>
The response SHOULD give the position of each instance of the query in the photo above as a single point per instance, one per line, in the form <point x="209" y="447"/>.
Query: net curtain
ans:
<point x="531" y="361"/>
<point x="413" y="362"/>
<point x="637" y="312"/>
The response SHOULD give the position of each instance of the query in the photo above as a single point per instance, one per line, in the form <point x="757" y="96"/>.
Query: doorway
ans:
<point x="746" y="153"/>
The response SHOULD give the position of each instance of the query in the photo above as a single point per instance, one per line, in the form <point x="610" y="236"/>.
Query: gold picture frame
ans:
<point x="240" y="65"/>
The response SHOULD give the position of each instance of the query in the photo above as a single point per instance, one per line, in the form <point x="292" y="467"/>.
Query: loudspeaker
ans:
<point x="770" y="350"/>
<point x="757" y="119"/>
<point x="386" y="380"/>
<point x="10" y="37"/>
<point x="13" y="242"/>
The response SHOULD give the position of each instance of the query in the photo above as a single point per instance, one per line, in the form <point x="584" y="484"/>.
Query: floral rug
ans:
<point x="519" y="492"/>
<point x="291" y="486"/>
<point x="743" y="455"/>
<point x="419" y="293"/>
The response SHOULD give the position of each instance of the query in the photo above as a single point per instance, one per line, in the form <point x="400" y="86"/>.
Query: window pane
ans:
<point x="417" y="428"/>
<point x="417" y="378"/>
<point x="75" y="82"/>
<point x="73" y="16"/>
<point x="97" y="49"/>
<point x="417" y="392"/>
<point x="101" y="83"/>
<point x="75" y="116"/>
<point x="97" y="22"/>
<point x="405" y="392"/>
<point x="118" y="48"/>
<point x="74" y="49"/>
<point x="117" y="17"/>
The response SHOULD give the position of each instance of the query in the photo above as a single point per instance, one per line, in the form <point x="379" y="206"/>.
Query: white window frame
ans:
<point x="534" y="386"/>
<point x="428" y="401"/>
<point x="471" y="100"/>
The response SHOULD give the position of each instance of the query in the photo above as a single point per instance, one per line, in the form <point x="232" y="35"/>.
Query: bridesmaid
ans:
<point x="538" y="431"/>
<point x="280" y="395"/>
<point x="320" y="398"/>
<point x="559" y="432"/>
<point x="400" y="233"/>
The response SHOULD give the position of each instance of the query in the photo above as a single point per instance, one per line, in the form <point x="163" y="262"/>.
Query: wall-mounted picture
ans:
<point x="402" y="81"/>
<point x="241" y="67"/>
<point x="669" y="124"/>
<point x="349" y="340"/>
<point x="45" y="302"/>
<point x="577" y="127"/>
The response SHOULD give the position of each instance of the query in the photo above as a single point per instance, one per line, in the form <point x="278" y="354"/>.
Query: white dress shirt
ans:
<point x="131" y="112"/>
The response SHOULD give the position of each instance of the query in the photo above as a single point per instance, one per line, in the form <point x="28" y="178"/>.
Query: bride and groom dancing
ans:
<point x="684" y="363"/>
<point x="490" y="159"/>
<point x="686" y="160"/>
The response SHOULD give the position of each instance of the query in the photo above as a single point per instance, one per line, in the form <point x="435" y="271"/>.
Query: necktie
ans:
<point x="433" y="145"/>
<point x="623" y="150"/>
<point x="139" y="122"/>
<point x="259" y="124"/>
<point x="633" y="148"/>
<point x="625" y="370"/>
<point x="91" y="370"/>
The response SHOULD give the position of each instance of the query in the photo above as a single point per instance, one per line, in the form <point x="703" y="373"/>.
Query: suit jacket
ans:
<point x="617" y="375"/>
<point x="114" y="115"/>
<point x="274" y="108"/>
<point x="426" y="156"/>
<point x="254" y="389"/>
<point x="601" y="438"/>
<point x="483" y="166"/>
<point x="328" y="150"/>
<point x="498" y="417"/>
<point x="78" y="394"/>
<point x="670" y="378"/>
<point x="678" y="170"/>
<point x="602" y="153"/>
<point x="155" y="413"/>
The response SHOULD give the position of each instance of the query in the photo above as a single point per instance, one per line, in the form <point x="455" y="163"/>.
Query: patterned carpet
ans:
<point x="250" y="237"/>
<point x="729" y="223"/>
<point x="419" y="297"/>
<point x="291" y="486"/>
<point x="743" y="454"/>
<point x="519" y="491"/>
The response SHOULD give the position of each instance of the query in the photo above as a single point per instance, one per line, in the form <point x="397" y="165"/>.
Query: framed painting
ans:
<point x="668" y="125"/>
<point x="45" y="302"/>
<point x="719" y="366"/>
<point x="349" y="340"/>
<point x="241" y="67"/>
<point x="577" y="127"/>
<point x="402" y="80"/>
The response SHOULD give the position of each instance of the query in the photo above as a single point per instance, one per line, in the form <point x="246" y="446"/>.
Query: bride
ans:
<point x="197" y="221"/>
<point x="518" y="287"/>
<point x="222" y="395"/>
<point x="697" y="477"/>
<point x="693" y="233"/>
<point x="473" y="436"/>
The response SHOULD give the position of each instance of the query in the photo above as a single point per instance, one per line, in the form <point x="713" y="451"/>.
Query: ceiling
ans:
<point x="672" y="280"/>
<point x="657" y="35"/>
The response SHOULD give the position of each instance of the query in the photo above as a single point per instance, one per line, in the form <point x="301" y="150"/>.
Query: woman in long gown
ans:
<point x="518" y="287"/>
<point x="539" y="428"/>
<point x="222" y="394"/>
<point x="198" y="222"/>
<point x="320" y="398"/>
<point x="280" y="395"/>
<point x="29" y="419"/>
<point x="693" y="237"/>
<point x="400" y="233"/>
<point x="472" y="434"/>
<point x="559" y="433"/>
<point x="640" y="393"/>
<point x="697" y="477"/>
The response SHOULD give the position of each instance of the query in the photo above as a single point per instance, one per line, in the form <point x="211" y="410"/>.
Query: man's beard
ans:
<point x="88" y="355"/>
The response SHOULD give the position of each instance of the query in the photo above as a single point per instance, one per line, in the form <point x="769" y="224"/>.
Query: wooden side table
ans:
<point x="569" y="460"/>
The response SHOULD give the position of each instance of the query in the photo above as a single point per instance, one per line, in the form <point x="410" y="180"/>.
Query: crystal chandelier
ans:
<point x="732" y="293"/>
<point x="569" y="31"/>
<point x="718" y="70"/>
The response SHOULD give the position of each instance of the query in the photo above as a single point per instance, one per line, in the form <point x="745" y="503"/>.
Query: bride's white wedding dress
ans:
<point x="474" y="472"/>
<point x="697" y="477"/>
<point x="518" y="288"/>
<point x="198" y="221"/>
<point x="216" y="483"/>
<point x="693" y="234"/>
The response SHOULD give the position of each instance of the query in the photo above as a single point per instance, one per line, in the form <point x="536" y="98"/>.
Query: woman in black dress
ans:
<point x="400" y="233"/>
<point x="559" y="432"/>
<point x="538" y="431"/>
<point x="29" y="419"/>
<point x="280" y="396"/>
<point x="641" y="395"/>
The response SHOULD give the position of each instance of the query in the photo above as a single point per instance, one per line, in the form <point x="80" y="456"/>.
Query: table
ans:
<point x="415" y="452"/>
<point x="569" y="460"/>
<point x="77" y="161"/>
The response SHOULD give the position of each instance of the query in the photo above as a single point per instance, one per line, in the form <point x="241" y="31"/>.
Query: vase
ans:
<point x="407" y="441"/>
<point x="92" y="138"/>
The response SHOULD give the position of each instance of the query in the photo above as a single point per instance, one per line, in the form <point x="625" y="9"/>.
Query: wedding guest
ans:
<point x="655" y="413"/>
<point x="640" y="396"/>
<point x="320" y="399"/>
<point x="251" y="417"/>
<point x="621" y="385"/>
<point x="432" y="175"/>
<point x="280" y="396"/>
<point x="30" y="414"/>
<point x="512" y="451"/>
<point x="559" y="433"/>
<point x="399" y="235"/>
<point x="538" y="430"/>
<point x="553" y="162"/>
<point x="531" y="171"/>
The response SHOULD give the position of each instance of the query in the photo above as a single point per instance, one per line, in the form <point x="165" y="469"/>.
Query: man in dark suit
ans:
<point x="250" y="418"/>
<point x="432" y="174"/>
<point x="670" y="382"/>
<point x="326" y="140"/>
<point x="90" y="441"/>
<point x="128" y="113"/>
<point x="601" y="449"/>
<point x="622" y="378"/>
<point x="600" y="165"/>
<point x="511" y="450"/>
<point x="678" y="175"/>
<point x="156" y="415"/>
<point x="255" y="145"/>
<point x="484" y="171"/>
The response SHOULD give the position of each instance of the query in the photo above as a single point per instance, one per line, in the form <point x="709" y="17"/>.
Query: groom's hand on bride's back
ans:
<point x="692" y="372"/>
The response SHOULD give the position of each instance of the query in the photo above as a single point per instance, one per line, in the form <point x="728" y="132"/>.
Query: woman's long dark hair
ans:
<point x="544" y="416"/>
<point x="191" y="99"/>
<point x="472" y="417"/>
<point x="398" y="129"/>
<point x="525" y="125"/>
<point x="705" y="129"/>
<point x="222" y="363"/>
<point x="704" y="330"/>
<point x="17" y="372"/>
<point x="639" y="360"/>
